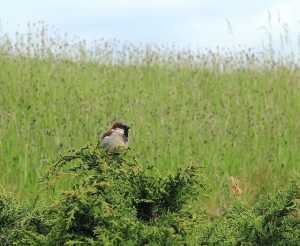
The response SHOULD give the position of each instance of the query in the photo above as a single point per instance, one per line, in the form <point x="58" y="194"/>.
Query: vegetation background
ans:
<point x="235" y="113"/>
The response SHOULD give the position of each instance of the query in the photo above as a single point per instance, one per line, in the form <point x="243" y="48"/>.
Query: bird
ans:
<point x="235" y="186"/>
<point x="115" y="138"/>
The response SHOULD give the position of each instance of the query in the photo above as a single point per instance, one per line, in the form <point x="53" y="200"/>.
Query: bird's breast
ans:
<point x="113" y="142"/>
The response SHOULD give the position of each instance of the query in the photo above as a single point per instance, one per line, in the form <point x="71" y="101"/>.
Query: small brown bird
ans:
<point x="115" y="138"/>
<point x="235" y="186"/>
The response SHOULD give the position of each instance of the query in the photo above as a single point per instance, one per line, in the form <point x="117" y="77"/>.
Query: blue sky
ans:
<point x="202" y="23"/>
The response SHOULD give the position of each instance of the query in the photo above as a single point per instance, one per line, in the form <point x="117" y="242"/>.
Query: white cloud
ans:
<point x="201" y="22"/>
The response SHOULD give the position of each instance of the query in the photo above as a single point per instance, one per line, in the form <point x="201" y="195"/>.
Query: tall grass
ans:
<point x="236" y="113"/>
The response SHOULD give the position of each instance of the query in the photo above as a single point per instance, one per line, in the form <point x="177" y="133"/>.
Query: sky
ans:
<point x="200" y="23"/>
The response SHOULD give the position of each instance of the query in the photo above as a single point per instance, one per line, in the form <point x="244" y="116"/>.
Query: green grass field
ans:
<point x="241" y="121"/>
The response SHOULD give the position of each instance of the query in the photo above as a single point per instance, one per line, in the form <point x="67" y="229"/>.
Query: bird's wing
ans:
<point x="106" y="134"/>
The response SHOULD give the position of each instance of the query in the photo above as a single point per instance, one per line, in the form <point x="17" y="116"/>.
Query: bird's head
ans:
<point x="119" y="126"/>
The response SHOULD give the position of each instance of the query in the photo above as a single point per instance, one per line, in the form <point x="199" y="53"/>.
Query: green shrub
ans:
<point x="112" y="201"/>
<point x="274" y="220"/>
<point x="10" y="215"/>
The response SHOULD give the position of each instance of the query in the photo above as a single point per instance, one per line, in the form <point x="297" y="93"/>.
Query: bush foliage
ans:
<point x="273" y="220"/>
<point x="113" y="201"/>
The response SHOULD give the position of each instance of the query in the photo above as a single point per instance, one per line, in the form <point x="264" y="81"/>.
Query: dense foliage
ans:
<point x="113" y="201"/>
<point x="274" y="220"/>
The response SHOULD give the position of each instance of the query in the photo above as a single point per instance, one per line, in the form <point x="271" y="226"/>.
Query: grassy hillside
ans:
<point x="236" y="114"/>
